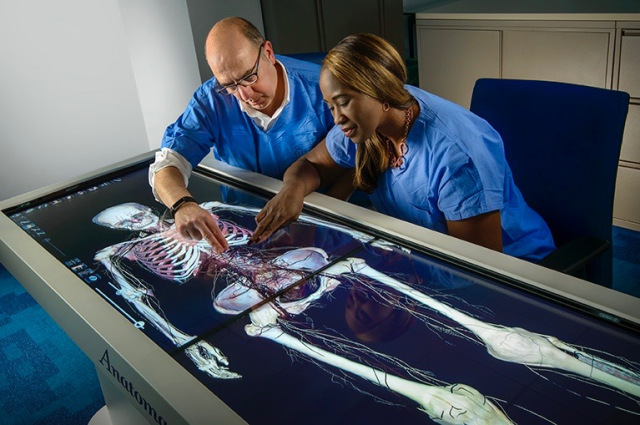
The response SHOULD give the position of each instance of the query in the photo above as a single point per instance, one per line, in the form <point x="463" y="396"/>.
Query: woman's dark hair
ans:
<point x="370" y="65"/>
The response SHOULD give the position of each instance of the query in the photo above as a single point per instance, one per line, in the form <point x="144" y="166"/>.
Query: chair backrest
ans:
<point x="562" y="142"/>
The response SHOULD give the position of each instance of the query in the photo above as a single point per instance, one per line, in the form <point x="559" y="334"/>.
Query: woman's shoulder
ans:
<point x="341" y="149"/>
<point x="335" y="136"/>
<point x="449" y="118"/>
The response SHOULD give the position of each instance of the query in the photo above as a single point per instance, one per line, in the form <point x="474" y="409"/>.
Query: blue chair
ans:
<point x="562" y="142"/>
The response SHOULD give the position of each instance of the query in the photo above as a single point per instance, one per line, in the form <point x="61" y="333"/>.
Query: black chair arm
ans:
<point x="573" y="256"/>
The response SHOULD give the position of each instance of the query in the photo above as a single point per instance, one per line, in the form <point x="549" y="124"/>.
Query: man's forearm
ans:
<point x="169" y="185"/>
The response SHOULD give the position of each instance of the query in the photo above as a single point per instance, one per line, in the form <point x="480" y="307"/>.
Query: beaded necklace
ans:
<point x="396" y="161"/>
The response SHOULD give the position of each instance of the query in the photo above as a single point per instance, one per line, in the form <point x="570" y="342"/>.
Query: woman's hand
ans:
<point x="315" y="169"/>
<point x="281" y="210"/>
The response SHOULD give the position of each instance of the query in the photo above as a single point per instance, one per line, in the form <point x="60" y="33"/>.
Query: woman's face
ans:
<point x="365" y="313"/>
<point x="357" y="114"/>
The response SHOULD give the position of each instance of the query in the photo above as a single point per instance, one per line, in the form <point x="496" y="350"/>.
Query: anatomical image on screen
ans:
<point x="325" y="324"/>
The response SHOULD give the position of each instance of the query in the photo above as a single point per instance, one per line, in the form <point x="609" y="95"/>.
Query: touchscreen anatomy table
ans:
<point x="328" y="321"/>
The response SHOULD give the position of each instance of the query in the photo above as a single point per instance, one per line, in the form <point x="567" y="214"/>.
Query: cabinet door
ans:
<point x="380" y="17"/>
<point x="579" y="57"/>
<point x="627" y="204"/>
<point x="631" y="140"/>
<point x="293" y="26"/>
<point x="342" y="18"/>
<point x="630" y="63"/>
<point x="626" y="208"/>
<point x="299" y="26"/>
<point x="451" y="60"/>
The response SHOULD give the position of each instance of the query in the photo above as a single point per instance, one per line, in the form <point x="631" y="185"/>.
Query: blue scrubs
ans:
<point x="215" y="121"/>
<point x="454" y="169"/>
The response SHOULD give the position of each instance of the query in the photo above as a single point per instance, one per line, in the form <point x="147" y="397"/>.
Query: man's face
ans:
<point x="235" y="64"/>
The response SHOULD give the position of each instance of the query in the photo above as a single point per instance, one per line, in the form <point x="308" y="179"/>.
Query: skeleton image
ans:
<point x="272" y="290"/>
<point x="167" y="254"/>
<point x="450" y="404"/>
<point x="446" y="404"/>
<point x="128" y="216"/>
<point x="515" y="344"/>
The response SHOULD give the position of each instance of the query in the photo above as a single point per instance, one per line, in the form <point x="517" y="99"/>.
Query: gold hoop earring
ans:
<point x="385" y="107"/>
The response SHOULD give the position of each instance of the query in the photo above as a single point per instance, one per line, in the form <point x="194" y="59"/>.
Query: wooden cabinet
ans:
<point x="631" y="140"/>
<point x="626" y="210"/>
<point x="468" y="54"/>
<point x="627" y="206"/>
<point x="579" y="55"/>
<point x="629" y="79"/>
<point x="453" y="53"/>
<point x="301" y="26"/>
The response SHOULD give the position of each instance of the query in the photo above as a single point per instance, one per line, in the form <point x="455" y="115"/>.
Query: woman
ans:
<point x="422" y="158"/>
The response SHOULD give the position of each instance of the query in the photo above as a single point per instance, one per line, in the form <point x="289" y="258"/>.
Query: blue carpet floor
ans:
<point x="45" y="379"/>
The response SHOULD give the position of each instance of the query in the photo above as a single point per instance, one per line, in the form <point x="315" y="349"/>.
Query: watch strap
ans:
<point x="179" y="203"/>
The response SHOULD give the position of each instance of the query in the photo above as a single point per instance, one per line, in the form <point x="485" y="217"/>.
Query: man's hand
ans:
<point x="281" y="210"/>
<point x="196" y="223"/>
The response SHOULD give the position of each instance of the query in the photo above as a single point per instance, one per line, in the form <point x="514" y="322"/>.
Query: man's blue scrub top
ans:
<point x="215" y="121"/>
<point x="455" y="168"/>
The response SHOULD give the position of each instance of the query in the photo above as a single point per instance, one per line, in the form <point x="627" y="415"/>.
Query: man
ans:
<point x="259" y="112"/>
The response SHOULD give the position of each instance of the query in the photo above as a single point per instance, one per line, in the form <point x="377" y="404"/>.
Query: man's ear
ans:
<point x="268" y="49"/>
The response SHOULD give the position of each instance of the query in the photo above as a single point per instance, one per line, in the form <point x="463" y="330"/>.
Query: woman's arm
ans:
<point x="484" y="229"/>
<point x="313" y="170"/>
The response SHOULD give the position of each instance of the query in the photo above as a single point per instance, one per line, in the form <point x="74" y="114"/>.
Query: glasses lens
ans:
<point x="250" y="79"/>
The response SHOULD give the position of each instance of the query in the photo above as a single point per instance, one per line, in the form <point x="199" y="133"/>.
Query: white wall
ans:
<point x="84" y="84"/>
<point x="164" y="61"/>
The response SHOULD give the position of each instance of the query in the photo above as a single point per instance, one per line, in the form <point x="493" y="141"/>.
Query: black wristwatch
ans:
<point x="179" y="203"/>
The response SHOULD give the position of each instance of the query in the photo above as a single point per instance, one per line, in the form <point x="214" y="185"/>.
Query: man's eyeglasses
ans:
<point x="245" y="81"/>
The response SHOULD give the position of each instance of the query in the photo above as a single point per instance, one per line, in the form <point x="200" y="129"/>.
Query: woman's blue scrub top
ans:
<point x="455" y="168"/>
<point x="215" y="121"/>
